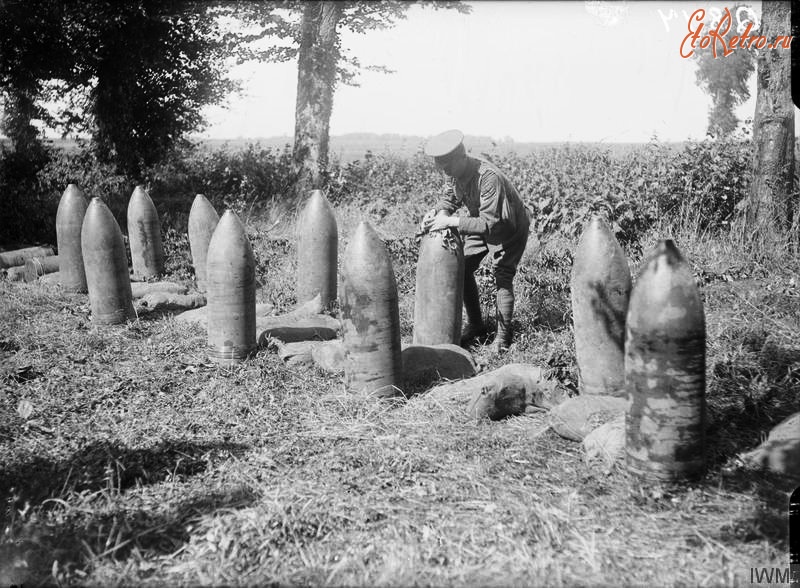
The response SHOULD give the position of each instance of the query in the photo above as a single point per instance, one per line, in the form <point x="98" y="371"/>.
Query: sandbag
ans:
<point x="578" y="416"/>
<point x="432" y="362"/>
<point x="606" y="443"/>
<point x="497" y="393"/>
<point x="139" y="289"/>
<point x="329" y="356"/>
<point x="298" y="353"/>
<point x="166" y="301"/>
<point x="498" y="401"/>
<point x="289" y="328"/>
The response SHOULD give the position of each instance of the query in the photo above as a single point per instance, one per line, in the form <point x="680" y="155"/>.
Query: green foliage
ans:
<point x="705" y="182"/>
<point x="384" y="182"/>
<point x="157" y="65"/>
<point x="564" y="187"/>
<point x="243" y="180"/>
<point x="94" y="177"/>
<point x="135" y="75"/>
<point x="724" y="77"/>
<point x="282" y="21"/>
<point x="26" y="211"/>
<point x="697" y="186"/>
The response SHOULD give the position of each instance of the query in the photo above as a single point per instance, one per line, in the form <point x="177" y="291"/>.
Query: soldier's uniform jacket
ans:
<point x="496" y="211"/>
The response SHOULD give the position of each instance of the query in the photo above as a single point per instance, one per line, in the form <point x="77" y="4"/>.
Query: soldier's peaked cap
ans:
<point x="444" y="143"/>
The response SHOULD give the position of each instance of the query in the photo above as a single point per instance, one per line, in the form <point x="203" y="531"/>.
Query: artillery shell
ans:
<point x="665" y="358"/>
<point x="370" y="316"/>
<point x="14" y="274"/>
<point x="203" y="220"/>
<point x="106" y="266"/>
<point x="600" y="289"/>
<point x="231" y="292"/>
<point x="317" y="244"/>
<point x="439" y="291"/>
<point x="144" y="235"/>
<point x="69" y="220"/>
<point x="20" y="256"/>
<point x="39" y="266"/>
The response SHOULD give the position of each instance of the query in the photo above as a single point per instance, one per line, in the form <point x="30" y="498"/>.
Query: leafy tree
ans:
<point x="312" y="31"/>
<point x="134" y="74"/>
<point x="33" y="50"/>
<point x="769" y="207"/>
<point x="154" y="65"/>
<point x="724" y="77"/>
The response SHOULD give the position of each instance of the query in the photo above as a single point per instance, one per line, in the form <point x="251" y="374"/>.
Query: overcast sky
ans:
<point x="530" y="71"/>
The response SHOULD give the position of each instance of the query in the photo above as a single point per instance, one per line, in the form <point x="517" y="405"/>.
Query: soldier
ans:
<point x="498" y="223"/>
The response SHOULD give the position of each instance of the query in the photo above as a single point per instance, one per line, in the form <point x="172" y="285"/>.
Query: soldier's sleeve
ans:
<point x="450" y="201"/>
<point x="489" y="214"/>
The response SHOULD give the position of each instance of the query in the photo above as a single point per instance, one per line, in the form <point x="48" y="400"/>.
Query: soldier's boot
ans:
<point x="505" y="312"/>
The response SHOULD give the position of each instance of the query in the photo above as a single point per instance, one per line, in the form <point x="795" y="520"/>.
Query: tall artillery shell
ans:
<point x="39" y="266"/>
<point x="144" y="235"/>
<point x="665" y="358"/>
<point x="18" y="257"/>
<point x="69" y="220"/>
<point x="600" y="289"/>
<point x="203" y="220"/>
<point x="317" y="244"/>
<point x="370" y="316"/>
<point x="106" y="266"/>
<point x="231" y="292"/>
<point x="439" y="291"/>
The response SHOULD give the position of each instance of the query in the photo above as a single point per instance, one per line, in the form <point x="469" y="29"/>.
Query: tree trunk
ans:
<point x="316" y="80"/>
<point x="769" y="209"/>
<point x="20" y="110"/>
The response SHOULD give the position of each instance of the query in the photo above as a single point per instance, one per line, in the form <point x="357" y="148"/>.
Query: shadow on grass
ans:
<point x="747" y="403"/>
<point x="107" y="526"/>
<point x="748" y="399"/>
<point x="83" y="541"/>
<point x="106" y="465"/>
<point x="770" y="520"/>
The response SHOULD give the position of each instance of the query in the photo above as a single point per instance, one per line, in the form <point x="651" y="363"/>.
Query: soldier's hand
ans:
<point x="425" y="224"/>
<point x="443" y="221"/>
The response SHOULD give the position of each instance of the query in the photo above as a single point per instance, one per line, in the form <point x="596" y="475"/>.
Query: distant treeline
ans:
<point x="353" y="146"/>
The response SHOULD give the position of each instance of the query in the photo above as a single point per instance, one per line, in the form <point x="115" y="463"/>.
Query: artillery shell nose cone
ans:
<point x="439" y="290"/>
<point x="666" y="296"/>
<point x="231" y="292"/>
<point x="69" y="221"/>
<point x="203" y="220"/>
<point x="370" y="316"/>
<point x="600" y="289"/>
<point x="144" y="235"/>
<point x="665" y="370"/>
<point x="317" y="251"/>
<point x="106" y="266"/>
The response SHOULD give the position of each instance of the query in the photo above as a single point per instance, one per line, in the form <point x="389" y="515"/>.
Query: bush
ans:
<point x="241" y="180"/>
<point x="382" y="183"/>
<point x="704" y="183"/>
<point x="698" y="185"/>
<point x="701" y="184"/>
<point x="28" y="214"/>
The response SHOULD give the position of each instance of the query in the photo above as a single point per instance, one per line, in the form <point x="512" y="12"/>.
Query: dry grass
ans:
<point x="142" y="464"/>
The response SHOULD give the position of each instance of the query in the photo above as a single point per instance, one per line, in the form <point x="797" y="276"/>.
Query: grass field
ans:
<point x="141" y="463"/>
